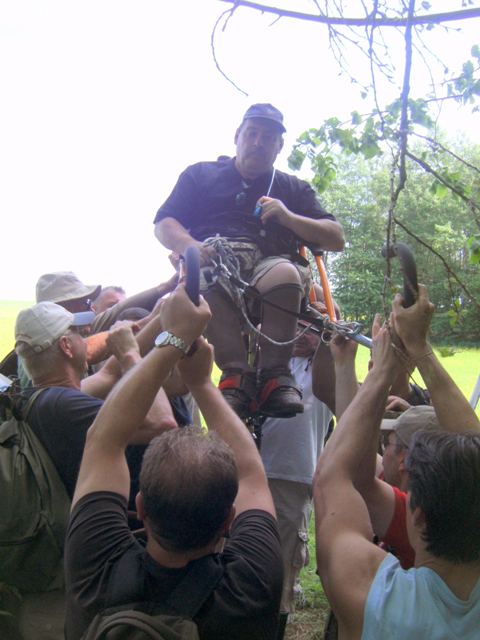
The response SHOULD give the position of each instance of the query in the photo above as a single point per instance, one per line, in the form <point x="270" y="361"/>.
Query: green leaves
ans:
<point x="473" y="245"/>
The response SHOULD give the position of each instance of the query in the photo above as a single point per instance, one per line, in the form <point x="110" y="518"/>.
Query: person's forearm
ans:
<point x="158" y="419"/>
<point x="146" y="336"/>
<point x="130" y="400"/>
<point x="225" y="422"/>
<point x="146" y="299"/>
<point x="324" y="233"/>
<point x="352" y="438"/>
<point x="346" y="386"/>
<point x="323" y="376"/>
<point x="401" y="385"/>
<point x="97" y="349"/>
<point x="173" y="235"/>
<point x="101" y="383"/>
<point x="451" y="406"/>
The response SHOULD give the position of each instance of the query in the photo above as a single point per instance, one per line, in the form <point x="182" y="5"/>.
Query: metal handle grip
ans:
<point x="192" y="274"/>
<point x="409" y="269"/>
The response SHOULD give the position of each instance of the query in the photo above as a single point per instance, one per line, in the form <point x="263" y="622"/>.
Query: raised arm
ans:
<point x="412" y="324"/>
<point x="253" y="491"/>
<point x="103" y="466"/>
<point x="347" y="559"/>
<point x="346" y="385"/>
<point x="323" y="376"/>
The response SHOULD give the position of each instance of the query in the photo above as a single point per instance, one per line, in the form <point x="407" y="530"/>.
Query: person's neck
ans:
<point x="64" y="378"/>
<point x="460" y="578"/>
<point x="176" y="559"/>
<point x="247" y="175"/>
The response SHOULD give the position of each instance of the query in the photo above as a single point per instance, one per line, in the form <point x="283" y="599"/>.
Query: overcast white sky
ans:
<point x="104" y="102"/>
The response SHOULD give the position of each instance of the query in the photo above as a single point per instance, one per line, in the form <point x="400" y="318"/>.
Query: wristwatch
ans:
<point x="165" y="338"/>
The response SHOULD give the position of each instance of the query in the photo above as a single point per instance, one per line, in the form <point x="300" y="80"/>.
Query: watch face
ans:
<point x="162" y="338"/>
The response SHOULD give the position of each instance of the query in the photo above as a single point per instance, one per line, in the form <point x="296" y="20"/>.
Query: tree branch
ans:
<point x="429" y="169"/>
<point x="228" y="13"/>
<point x="433" y="18"/>
<point x="438" y="145"/>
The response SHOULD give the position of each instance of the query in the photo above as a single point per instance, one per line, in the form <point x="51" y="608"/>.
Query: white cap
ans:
<point x="40" y="325"/>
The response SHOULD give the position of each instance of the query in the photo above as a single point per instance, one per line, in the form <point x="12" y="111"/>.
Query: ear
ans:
<point x="237" y="133"/>
<point x="65" y="346"/>
<point x="280" y="144"/>
<point x="418" y="518"/>
<point x="140" y="506"/>
<point x="401" y="461"/>
<point x="225" y="529"/>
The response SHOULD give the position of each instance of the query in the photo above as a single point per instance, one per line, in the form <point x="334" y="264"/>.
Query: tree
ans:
<point x="404" y="129"/>
<point x="360" y="200"/>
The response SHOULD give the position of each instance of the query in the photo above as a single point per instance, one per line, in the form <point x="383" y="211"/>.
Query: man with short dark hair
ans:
<point x="262" y="215"/>
<point x="370" y="594"/>
<point x="188" y="501"/>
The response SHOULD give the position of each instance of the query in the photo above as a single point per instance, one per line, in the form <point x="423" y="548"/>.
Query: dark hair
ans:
<point x="444" y="481"/>
<point x="188" y="483"/>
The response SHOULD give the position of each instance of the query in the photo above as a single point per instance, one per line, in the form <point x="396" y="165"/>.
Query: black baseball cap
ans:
<point x="265" y="111"/>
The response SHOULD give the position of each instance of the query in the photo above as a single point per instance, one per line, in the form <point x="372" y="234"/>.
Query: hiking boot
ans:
<point x="238" y="389"/>
<point x="279" y="396"/>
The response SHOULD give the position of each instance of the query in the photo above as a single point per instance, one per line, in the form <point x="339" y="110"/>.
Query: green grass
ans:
<point x="8" y="312"/>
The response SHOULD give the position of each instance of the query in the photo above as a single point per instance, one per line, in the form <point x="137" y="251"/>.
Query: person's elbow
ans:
<point x="151" y="429"/>
<point x="337" y="240"/>
<point x="159" y="230"/>
<point x="158" y="426"/>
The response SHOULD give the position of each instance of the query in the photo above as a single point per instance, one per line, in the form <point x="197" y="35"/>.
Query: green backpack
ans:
<point x="34" y="509"/>
<point x="129" y="616"/>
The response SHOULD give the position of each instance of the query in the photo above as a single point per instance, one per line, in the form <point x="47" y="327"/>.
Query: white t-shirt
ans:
<point x="290" y="446"/>
<point x="417" y="605"/>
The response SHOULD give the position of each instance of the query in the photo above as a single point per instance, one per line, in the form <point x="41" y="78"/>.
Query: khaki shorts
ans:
<point x="253" y="266"/>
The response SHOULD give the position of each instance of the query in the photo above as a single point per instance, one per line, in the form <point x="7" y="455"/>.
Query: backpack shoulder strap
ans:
<point x="29" y="404"/>
<point x="127" y="580"/>
<point x="193" y="591"/>
<point x="127" y="585"/>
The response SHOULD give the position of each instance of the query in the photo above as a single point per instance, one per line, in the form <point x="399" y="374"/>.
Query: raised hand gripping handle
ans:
<point x="409" y="270"/>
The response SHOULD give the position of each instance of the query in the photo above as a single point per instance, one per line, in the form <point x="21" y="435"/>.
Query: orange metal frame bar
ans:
<point x="327" y="294"/>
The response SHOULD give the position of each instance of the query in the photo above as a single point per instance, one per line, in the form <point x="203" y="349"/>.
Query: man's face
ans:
<point x="306" y="345"/>
<point x="106" y="300"/>
<point x="77" y="306"/>
<point x="393" y="458"/>
<point x="79" y="348"/>
<point x="258" y="144"/>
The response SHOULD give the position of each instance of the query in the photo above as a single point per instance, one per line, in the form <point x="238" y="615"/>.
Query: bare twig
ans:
<point x="433" y="18"/>
<point x="227" y="14"/>
<point x="447" y="184"/>
<point x="438" y="145"/>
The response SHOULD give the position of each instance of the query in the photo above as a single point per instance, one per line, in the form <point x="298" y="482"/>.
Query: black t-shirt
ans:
<point x="60" y="418"/>
<point x="212" y="197"/>
<point x="244" y="605"/>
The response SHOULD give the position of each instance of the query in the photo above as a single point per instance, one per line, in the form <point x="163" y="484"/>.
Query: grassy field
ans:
<point x="8" y="312"/>
<point x="308" y="622"/>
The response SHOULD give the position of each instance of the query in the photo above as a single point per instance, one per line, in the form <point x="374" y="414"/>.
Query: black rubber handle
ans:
<point x="409" y="270"/>
<point x="192" y="274"/>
